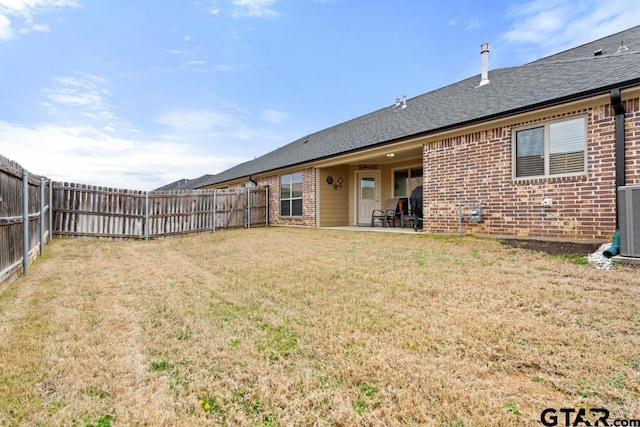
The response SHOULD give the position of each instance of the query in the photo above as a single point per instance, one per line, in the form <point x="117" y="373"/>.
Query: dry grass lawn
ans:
<point x="301" y="327"/>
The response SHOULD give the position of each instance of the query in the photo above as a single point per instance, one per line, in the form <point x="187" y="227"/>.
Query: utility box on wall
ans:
<point x="475" y="213"/>
<point x="629" y="220"/>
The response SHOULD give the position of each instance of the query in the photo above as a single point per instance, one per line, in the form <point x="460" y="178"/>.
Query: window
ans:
<point x="404" y="181"/>
<point x="556" y="148"/>
<point x="291" y="195"/>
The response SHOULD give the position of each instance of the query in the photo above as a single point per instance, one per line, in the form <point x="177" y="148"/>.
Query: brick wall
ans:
<point x="478" y="167"/>
<point x="308" y="217"/>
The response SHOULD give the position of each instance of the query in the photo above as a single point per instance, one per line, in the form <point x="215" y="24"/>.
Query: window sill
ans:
<point x="549" y="179"/>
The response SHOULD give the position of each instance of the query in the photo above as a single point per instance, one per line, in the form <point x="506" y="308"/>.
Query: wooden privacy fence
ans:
<point x="25" y="218"/>
<point x="83" y="210"/>
<point x="32" y="209"/>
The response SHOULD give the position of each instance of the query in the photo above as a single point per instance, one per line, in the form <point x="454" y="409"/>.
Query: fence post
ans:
<point x="213" y="227"/>
<point x="42" y="206"/>
<point x="266" y="213"/>
<point x="25" y="221"/>
<point x="50" y="210"/>
<point x="146" y="215"/>
<point x="248" y="207"/>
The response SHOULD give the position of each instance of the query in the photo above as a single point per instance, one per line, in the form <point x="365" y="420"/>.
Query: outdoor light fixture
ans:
<point x="391" y="154"/>
<point x="337" y="184"/>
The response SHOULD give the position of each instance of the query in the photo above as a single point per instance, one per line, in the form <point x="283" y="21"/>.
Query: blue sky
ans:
<point x="139" y="93"/>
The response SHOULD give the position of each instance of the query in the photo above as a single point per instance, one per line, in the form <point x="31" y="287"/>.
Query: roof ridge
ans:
<point x="581" y="58"/>
<point x="583" y="45"/>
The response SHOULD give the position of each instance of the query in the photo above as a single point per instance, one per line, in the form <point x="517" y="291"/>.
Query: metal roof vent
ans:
<point x="400" y="106"/>
<point x="622" y="48"/>
<point x="484" y="52"/>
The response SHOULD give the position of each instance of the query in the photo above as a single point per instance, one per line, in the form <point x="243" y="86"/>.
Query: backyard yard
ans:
<point x="305" y="327"/>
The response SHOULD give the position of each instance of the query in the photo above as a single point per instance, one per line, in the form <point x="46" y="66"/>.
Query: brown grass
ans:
<point x="281" y="327"/>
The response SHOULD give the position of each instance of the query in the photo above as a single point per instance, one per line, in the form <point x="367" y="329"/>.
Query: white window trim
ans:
<point x="408" y="167"/>
<point x="546" y="124"/>
<point x="291" y="199"/>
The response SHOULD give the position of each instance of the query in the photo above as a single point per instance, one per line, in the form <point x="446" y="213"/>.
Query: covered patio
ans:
<point x="349" y="189"/>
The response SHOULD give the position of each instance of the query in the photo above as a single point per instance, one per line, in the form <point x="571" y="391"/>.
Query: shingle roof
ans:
<point x="568" y="75"/>
<point x="607" y="46"/>
<point x="180" y="184"/>
<point x="202" y="181"/>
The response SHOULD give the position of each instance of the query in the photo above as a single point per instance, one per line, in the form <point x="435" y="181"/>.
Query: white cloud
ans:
<point x="199" y="121"/>
<point x="472" y="23"/>
<point x="200" y="66"/>
<point x="36" y="28"/>
<point x="226" y="129"/>
<point x="90" y="156"/>
<point x="469" y="23"/>
<point x="35" y="5"/>
<point x="87" y="92"/>
<point x="548" y="26"/>
<point x="254" y="8"/>
<point x="5" y="28"/>
<point x="274" y="116"/>
<point x="23" y="11"/>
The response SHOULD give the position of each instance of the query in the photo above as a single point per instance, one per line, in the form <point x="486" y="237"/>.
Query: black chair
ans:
<point x="387" y="215"/>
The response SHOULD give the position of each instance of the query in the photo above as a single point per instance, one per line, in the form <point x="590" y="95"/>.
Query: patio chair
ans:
<point x="387" y="215"/>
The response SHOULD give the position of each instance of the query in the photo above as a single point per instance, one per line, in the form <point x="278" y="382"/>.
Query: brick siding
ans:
<point x="308" y="217"/>
<point x="478" y="167"/>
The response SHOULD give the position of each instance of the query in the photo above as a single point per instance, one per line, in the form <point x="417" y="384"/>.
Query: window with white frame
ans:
<point x="404" y="181"/>
<point x="291" y="195"/>
<point x="555" y="148"/>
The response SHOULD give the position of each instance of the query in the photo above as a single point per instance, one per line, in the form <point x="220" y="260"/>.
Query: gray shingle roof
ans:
<point x="202" y="181"/>
<point x="568" y="75"/>
<point x="180" y="184"/>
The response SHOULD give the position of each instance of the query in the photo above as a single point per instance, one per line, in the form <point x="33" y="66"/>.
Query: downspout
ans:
<point x="253" y="181"/>
<point x="618" y="108"/>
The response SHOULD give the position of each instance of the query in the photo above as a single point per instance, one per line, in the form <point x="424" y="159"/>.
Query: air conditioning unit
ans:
<point x="629" y="220"/>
